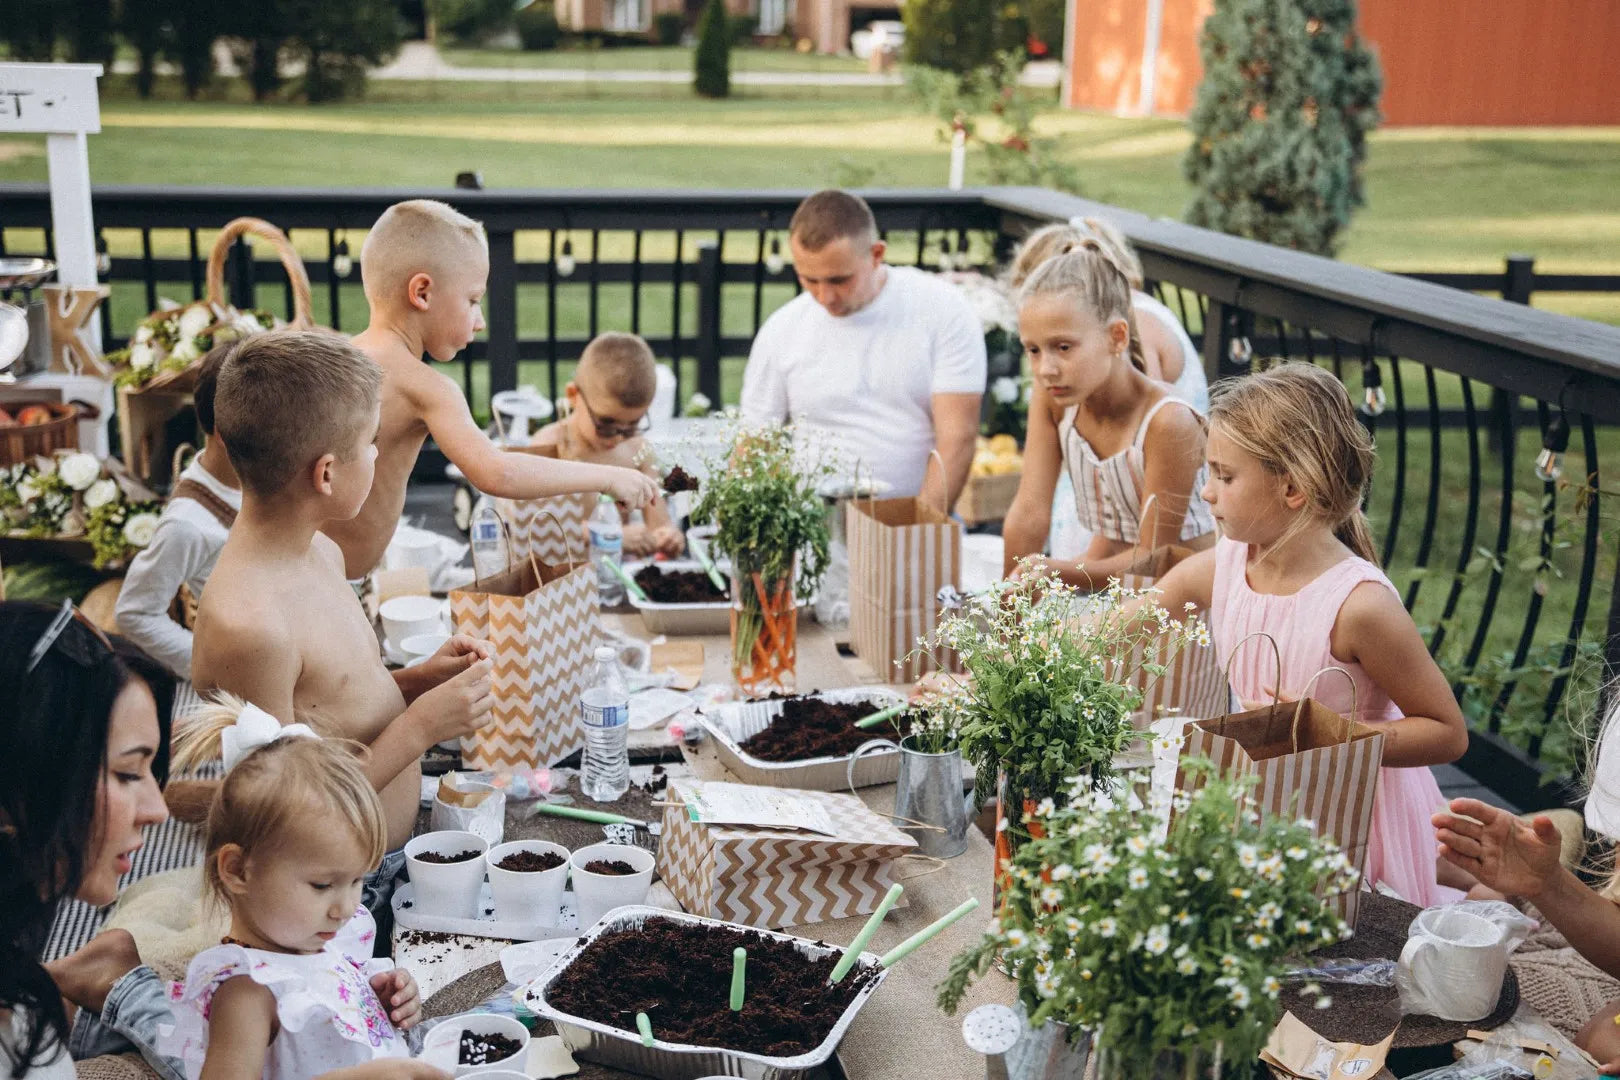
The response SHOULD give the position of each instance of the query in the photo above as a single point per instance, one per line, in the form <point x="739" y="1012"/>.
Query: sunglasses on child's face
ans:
<point x="71" y="648"/>
<point x="609" y="429"/>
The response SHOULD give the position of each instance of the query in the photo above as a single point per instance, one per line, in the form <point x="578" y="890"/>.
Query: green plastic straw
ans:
<point x="579" y="813"/>
<point x="644" y="1026"/>
<point x="709" y="567"/>
<point x="629" y="582"/>
<point x="739" y="961"/>
<point x="878" y="717"/>
<point x="906" y="947"/>
<point x="853" y="953"/>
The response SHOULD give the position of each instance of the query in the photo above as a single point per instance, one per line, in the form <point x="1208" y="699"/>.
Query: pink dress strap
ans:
<point x="1400" y="852"/>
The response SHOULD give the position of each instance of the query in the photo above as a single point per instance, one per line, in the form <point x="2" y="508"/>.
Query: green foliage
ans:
<point x="471" y="20"/>
<point x="998" y="115"/>
<point x="711" y="76"/>
<point x="668" y="27"/>
<point x="90" y="32"/>
<point x="1290" y="93"/>
<point x="743" y="28"/>
<point x="951" y="35"/>
<point x="338" y="42"/>
<point x="142" y="24"/>
<point x="1157" y="945"/>
<point x="193" y="27"/>
<point x="30" y="27"/>
<point x="537" y="27"/>
<point x="1047" y="695"/>
<point x="49" y="582"/>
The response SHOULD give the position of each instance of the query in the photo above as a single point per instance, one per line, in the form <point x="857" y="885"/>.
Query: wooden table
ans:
<point x="900" y="1033"/>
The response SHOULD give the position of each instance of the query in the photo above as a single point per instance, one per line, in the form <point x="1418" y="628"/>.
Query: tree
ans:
<point x="90" y="29"/>
<point x="471" y="20"/>
<point x="142" y="22"/>
<point x="258" y="32"/>
<point x="194" y="26"/>
<point x="1289" y="95"/>
<point x="29" y="29"/>
<point x="711" y="75"/>
<point x="953" y="35"/>
<point x="338" y="41"/>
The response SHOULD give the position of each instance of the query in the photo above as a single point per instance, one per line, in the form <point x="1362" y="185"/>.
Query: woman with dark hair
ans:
<point x="84" y="750"/>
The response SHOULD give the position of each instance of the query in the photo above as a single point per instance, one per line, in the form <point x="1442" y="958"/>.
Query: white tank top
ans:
<point x="1190" y="386"/>
<point x="1108" y="492"/>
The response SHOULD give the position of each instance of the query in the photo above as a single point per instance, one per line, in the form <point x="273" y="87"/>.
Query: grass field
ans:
<point x="653" y="58"/>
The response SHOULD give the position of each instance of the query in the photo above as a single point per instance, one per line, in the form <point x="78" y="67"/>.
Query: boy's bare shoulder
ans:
<point x="548" y="436"/>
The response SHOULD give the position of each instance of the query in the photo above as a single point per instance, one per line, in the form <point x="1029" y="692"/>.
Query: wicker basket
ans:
<point x="987" y="498"/>
<point x="143" y="410"/>
<point x="19" y="442"/>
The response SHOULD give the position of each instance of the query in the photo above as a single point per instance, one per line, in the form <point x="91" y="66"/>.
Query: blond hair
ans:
<point x="418" y="236"/>
<point x="1060" y="238"/>
<point x="277" y="787"/>
<point x="621" y="365"/>
<point x="286" y="398"/>
<point x="832" y="215"/>
<point x="1089" y="276"/>
<point x="1297" y="421"/>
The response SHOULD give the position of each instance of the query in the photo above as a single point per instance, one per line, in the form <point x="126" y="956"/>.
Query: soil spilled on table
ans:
<point x="678" y="586"/>
<point x="531" y="862"/>
<point x="680" y="976"/>
<point x="809" y="727"/>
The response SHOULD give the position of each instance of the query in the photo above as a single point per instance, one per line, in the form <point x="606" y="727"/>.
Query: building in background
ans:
<point x="1482" y="63"/>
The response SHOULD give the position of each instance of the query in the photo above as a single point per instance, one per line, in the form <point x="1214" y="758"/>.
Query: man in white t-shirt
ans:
<point x="888" y="360"/>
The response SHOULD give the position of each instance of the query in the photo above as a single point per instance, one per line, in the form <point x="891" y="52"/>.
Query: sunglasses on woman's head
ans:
<point x="72" y="649"/>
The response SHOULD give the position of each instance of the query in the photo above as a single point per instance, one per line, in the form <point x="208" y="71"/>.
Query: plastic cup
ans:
<point x="528" y="896"/>
<point x="597" y="894"/>
<point x="447" y="889"/>
<point x="421" y="646"/>
<point x="408" y="616"/>
<point x="442" y="1046"/>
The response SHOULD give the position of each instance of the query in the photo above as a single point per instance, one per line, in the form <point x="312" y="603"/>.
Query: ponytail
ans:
<point x="1091" y="274"/>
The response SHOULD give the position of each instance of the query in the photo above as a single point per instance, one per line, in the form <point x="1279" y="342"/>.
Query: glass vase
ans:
<point x="1011" y="832"/>
<point x="764" y="631"/>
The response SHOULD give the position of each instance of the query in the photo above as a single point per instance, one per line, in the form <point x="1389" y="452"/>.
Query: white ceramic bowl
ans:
<point x="421" y="646"/>
<point x="528" y="896"/>
<point x="449" y="889"/>
<point x="442" y="1046"/>
<point x="597" y="894"/>
<point x="412" y="549"/>
<point x="408" y="616"/>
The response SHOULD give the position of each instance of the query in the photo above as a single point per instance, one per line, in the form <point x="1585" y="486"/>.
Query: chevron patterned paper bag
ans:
<point x="773" y="877"/>
<point x="542" y="620"/>
<point x="900" y="552"/>
<point x="552" y="529"/>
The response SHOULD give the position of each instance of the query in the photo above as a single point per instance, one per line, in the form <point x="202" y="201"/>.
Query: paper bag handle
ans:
<point x="944" y="482"/>
<point x="567" y="541"/>
<point x="849" y="778"/>
<point x="506" y="532"/>
<point x="1226" y="671"/>
<point x="1299" y="707"/>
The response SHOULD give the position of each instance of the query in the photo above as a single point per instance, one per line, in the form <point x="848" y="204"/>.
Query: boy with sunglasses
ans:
<point x="424" y="267"/>
<point x="608" y="398"/>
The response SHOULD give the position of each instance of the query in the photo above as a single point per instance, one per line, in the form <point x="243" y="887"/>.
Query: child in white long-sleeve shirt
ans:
<point x="189" y="536"/>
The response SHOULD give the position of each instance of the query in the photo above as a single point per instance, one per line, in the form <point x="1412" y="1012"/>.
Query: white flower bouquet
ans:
<point x="74" y="495"/>
<point x="174" y="338"/>
<point x="1161" y="945"/>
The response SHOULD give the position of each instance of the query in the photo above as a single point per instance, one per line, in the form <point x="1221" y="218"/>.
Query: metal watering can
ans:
<point x="929" y="803"/>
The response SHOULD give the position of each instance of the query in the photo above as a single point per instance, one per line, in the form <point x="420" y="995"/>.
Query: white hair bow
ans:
<point x="255" y="728"/>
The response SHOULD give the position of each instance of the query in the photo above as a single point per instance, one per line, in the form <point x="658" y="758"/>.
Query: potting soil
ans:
<point x="531" y="862"/>
<point x="809" y="727"/>
<point x="677" y="586"/>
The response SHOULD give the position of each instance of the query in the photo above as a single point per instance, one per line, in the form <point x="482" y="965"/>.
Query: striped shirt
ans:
<point x="1108" y="493"/>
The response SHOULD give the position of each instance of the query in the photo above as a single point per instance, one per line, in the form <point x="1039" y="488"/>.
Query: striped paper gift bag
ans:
<point x="552" y="529"/>
<point x="901" y="551"/>
<point x="1193" y="683"/>
<point x="1312" y="763"/>
<point x="542" y="621"/>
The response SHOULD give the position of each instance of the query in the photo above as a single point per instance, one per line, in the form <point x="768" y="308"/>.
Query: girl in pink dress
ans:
<point x="1288" y="465"/>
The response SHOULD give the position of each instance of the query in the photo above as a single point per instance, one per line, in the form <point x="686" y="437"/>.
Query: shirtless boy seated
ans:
<point x="424" y="267"/>
<point x="279" y="625"/>
<point x="607" y="401"/>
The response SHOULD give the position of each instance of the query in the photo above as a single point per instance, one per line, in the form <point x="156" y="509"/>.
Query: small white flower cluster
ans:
<point x="70" y="494"/>
<point x="175" y="338"/>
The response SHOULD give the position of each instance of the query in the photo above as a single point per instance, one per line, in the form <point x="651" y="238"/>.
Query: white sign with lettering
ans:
<point x="50" y="98"/>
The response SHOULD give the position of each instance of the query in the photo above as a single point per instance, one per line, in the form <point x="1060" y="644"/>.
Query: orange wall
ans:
<point x="1487" y="62"/>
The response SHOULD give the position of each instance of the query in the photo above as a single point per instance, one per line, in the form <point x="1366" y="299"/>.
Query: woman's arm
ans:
<point x="1374" y="630"/>
<point x="1029" y="518"/>
<point x="241" y="1025"/>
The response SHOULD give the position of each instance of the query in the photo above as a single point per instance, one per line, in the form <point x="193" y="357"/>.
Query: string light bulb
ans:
<point x="1554" y="442"/>
<point x="342" y="264"/>
<point x="947" y="261"/>
<point x="773" y="256"/>
<point x="565" y="260"/>
<point x="103" y="257"/>
<point x="1373" y="401"/>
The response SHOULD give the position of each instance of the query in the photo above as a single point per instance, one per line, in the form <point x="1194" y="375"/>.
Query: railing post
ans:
<point x="1518" y="285"/>
<point x="708" y="327"/>
<point x="239" y="275"/>
<point x="1216" y="340"/>
<point x="1519" y="279"/>
<point x="502" y="295"/>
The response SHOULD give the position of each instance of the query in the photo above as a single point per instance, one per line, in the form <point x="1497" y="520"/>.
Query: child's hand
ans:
<point x="631" y="487"/>
<point x="453" y="657"/>
<point x="667" y="540"/>
<point x="398" y="994"/>
<point x="458" y="706"/>
<point x="637" y="541"/>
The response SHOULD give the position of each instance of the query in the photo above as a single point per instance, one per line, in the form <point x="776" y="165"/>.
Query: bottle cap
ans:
<point x="604" y="653"/>
<point x="604" y="498"/>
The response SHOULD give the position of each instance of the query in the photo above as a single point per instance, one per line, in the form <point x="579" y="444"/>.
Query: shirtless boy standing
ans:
<point x="424" y="267"/>
<point x="278" y="625"/>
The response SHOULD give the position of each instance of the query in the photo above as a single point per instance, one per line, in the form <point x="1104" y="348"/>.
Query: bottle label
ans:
<point x="486" y="532"/>
<point x="612" y="543"/>
<point x="607" y="716"/>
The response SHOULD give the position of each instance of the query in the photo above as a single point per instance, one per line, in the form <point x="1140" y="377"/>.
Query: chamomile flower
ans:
<point x="1137" y="878"/>
<point x="1240" y="996"/>
<point x="1107" y="927"/>
<point x="1187" y="966"/>
<point x="1158" y="941"/>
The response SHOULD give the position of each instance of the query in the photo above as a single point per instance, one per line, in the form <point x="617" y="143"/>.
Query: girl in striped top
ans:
<point x="1288" y="465"/>
<point x="1133" y="452"/>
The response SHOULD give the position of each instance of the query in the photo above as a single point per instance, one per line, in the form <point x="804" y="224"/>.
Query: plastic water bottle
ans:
<point x="605" y="710"/>
<point x="607" y="542"/>
<point x="489" y="553"/>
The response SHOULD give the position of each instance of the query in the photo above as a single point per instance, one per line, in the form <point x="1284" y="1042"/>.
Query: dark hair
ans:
<point x="832" y="215"/>
<point x="202" y="396"/>
<point x="53" y="721"/>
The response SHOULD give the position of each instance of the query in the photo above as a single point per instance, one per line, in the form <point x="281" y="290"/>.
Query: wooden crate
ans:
<point x="987" y="498"/>
<point x="142" y="417"/>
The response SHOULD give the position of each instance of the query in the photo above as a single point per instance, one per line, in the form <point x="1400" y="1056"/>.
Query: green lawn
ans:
<point x="653" y="58"/>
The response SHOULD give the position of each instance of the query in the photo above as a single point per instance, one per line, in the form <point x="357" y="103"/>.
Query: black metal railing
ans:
<point x="1506" y="571"/>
